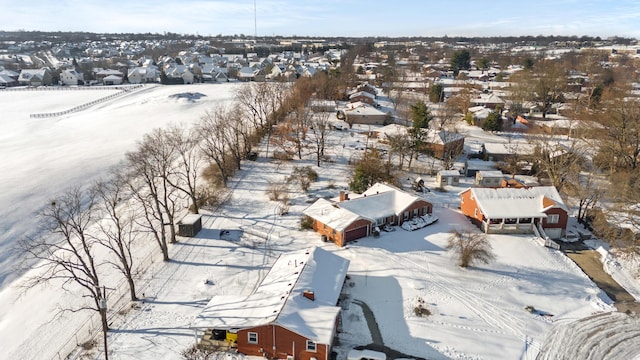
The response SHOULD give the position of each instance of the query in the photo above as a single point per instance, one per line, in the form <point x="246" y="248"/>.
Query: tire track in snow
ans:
<point x="485" y="310"/>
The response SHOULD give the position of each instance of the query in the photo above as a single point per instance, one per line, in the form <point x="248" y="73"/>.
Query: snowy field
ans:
<point x="41" y="157"/>
<point x="477" y="313"/>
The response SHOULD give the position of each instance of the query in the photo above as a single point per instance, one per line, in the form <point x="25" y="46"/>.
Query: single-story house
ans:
<point x="445" y="144"/>
<point x="112" y="80"/>
<point x="360" y="113"/>
<point x="489" y="178"/>
<point x="502" y="151"/>
<point x="490" y="101"/>
<point x="354" y="217"/>
<point x="516" y="210"/>
<point x="317" y="105"/>
<point x="293" y="312"/>
<point x="448" y="177"/>
<point x="363" y="96"/>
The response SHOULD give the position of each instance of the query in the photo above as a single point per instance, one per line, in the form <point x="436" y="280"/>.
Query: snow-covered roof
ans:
<point x="279" y="298"/>
<point x="449" y="173"/>
<point x="516" y="202"/>
<point x="364" y="110"/>
<point x="487" y="99"/>
<point x="490" y="174"/>
<point x="331" y="215"/>
<point x="380" y="200"/>
<point x="362" y="93"/>
<point x="509" y="148"/>
<point x="443" y="137"/>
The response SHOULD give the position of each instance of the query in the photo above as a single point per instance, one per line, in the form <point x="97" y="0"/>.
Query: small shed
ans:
<point x="190" y="225"/>
<point x="448" y="177"/>
<point x="489" y="178"/>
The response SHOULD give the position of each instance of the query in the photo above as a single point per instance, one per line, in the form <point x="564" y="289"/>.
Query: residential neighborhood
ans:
<point x="319" y="198"/>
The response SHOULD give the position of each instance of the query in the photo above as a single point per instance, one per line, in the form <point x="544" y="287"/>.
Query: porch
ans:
<point x="509" y="225"/>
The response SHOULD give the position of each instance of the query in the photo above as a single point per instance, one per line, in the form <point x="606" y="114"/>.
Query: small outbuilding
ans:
<point x="190" y="225"/>
<point x="448" y="177"/>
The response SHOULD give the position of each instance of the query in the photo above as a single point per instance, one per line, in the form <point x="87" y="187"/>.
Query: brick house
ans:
<point x="354" y="217"/>
<point x="445" y="144"/>
<point x="516" y="210"/>
<point x="292" y="312"/>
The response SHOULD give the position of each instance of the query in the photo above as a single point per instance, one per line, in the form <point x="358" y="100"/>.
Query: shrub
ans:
<point x="306" y="223"/>
<point x="470" y="248"/>
<point x="304" y="176"/>
<point x="421" y="310"/>
<point x="276" y="190"/>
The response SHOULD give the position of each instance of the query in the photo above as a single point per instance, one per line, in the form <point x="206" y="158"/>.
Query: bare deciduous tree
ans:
<point x="117" y="231"/>
<point x="67" y="254"/>
<point x="185" y="176"/>
<point x="217" y="139"/>
<point x="319" y="129"/>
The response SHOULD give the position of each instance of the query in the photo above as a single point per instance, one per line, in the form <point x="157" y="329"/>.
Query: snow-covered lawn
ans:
<point x="41" y="157"/>
<point x="476" y="313"/>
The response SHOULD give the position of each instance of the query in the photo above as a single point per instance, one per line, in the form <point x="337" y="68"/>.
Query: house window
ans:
<point x="311" y="346"/>
<point x="253" y="337"/>
<point x="406" y="215"/>
<point x="553" y="219"/>
<point x="415" y="212"/>
<point x="475" y="212"/>
<point x="380" y="221"/>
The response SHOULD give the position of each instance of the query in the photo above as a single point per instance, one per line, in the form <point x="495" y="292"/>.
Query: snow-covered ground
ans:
<point x="41" y="157"/>
<point x="476" y="313"/>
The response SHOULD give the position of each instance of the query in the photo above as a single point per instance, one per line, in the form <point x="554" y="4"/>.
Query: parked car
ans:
<point x="365" y="355"/>
<point x="419" y="222"/>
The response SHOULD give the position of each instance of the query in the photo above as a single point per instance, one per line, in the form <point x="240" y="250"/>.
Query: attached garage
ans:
<point x="355" y="234"/>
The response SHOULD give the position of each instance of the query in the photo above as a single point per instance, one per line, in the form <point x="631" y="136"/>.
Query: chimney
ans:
<point x="344" y="196"/>
<point x="309" y="295"/>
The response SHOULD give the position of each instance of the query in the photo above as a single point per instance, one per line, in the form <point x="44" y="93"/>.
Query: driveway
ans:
<point x="589" y="261"/>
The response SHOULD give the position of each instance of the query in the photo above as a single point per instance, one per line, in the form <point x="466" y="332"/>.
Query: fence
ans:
<point x="124" y="90"/>
<point x="91" y="330"/>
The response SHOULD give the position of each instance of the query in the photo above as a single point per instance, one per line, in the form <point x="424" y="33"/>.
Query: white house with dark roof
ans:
<point x="292" y="313"/>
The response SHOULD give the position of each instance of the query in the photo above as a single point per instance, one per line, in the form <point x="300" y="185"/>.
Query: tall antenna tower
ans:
<point x="255" y="21"/>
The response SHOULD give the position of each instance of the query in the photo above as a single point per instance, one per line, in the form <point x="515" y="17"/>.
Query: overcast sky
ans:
<point x="329" y="17"/>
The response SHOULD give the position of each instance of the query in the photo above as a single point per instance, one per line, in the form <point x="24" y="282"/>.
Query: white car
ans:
<point x="365" y="355"/>
<point x="419" y="222"/>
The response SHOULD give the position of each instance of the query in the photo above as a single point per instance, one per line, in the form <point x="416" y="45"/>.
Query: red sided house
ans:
<point x="352" y="218"/>
<point x="291" y="314"/>
<point x="516" y="210"/>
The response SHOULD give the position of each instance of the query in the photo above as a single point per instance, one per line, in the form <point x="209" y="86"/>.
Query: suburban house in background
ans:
<point x="363" y="96"/>
<point x="445" y="144"/>
<point x="354" y="217"/>
<point x="442" y="144"/>
<point x="292" y="314"/>
<point x="71" y="77"/>
<point x="35" y="77"/>
<point x="361" y="113"/>
<point x="516" y="210"/>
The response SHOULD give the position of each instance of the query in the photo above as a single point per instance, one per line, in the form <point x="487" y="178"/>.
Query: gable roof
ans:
<point x="331" y="214"/>
<point x="279" y="297"/>
<point x="379" y="201"/>
<point x="516" y="202"/>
